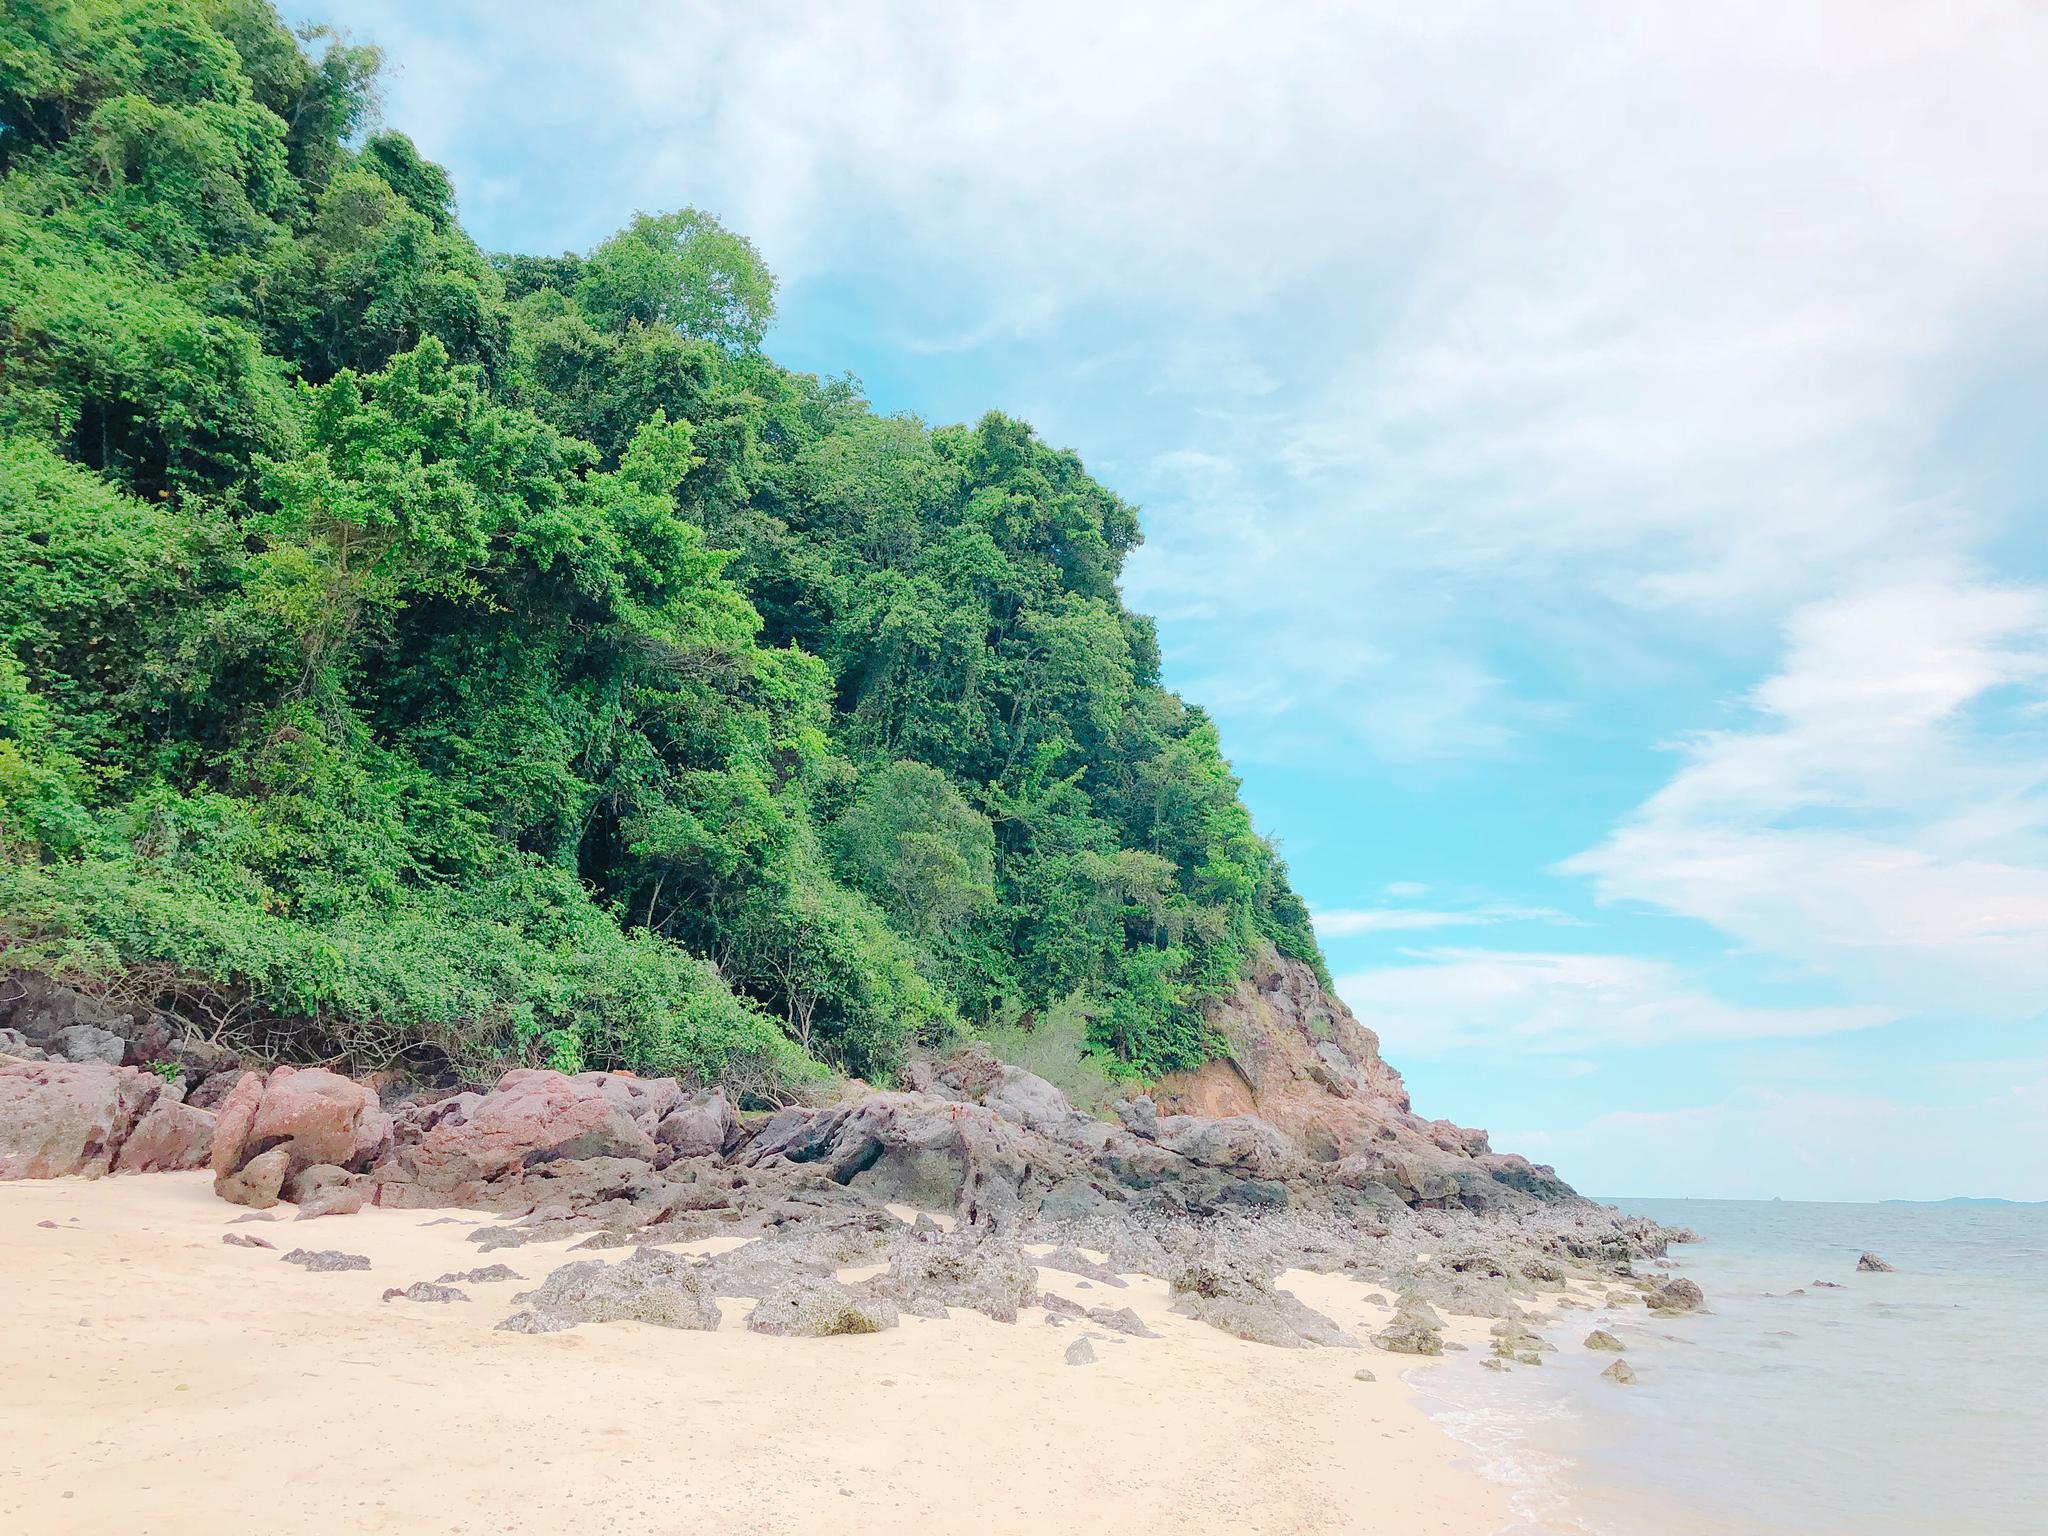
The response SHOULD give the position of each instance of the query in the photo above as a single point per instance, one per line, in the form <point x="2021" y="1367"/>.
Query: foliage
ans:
<point x="500" y="657"/>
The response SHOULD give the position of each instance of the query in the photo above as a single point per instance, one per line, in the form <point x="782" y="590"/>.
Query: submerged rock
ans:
<point x="1620" y="1372"/>
<point x="1674" y="1295"/>
<point x="1871" y="1264"/>
<point x="1600" y="1338"/>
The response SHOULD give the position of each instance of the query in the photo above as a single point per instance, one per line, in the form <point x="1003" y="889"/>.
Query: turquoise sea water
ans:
<point x="1903" y="1404"/>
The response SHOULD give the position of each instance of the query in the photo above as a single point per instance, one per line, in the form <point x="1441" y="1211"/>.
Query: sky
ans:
<point x="1591" y="465"/>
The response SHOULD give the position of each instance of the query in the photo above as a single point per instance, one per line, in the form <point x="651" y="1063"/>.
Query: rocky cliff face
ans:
<point x="1303" y="1064"/>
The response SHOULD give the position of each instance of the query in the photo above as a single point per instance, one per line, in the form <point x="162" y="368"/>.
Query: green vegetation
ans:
<point x="500" y="657"/>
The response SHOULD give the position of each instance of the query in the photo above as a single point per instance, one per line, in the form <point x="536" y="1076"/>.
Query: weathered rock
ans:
<point x="1621" y="1373"/>
<point x="59" y="1118"/>
<point x="984" y="1272"/>
<point x="653" y="1287"/>
<point x="1409" y="1334"/>
<point x="1674" y="1295"/>
<point x="245" y="1240"/>
<point x="14" y="1043"/>
<point x="318" y="1117"/>
<point x="172" y="1137"/>
<point x="1493" y="1363"/>
<point x="1600" y="1338"/>
<point x="1072" y="1261"/>
<point x="1871" y="1264"/>
<point x="257" y="1182"/>
<point x="811" y="1307"/>
<point x="424" y="1290"/>
<point x="486" y="1275"/>
<point x="326" y="1190"/>
<point x="704" y="1127"/>
<point x="323" y="1261"/>
<point x="1059" y="1306"/>
<point x="1121" y="1320"/>
<point x="1080" y="1352"/>
<point x="86" y="1042"/>
<point x="479" y="1153"/>
<point x="213" y="1092"/>
<point x="536" y="1322"/>
<point x="1225" y="1294"/>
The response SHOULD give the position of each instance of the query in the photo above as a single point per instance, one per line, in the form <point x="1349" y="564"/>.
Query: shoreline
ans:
<point x="170" y="1379"/>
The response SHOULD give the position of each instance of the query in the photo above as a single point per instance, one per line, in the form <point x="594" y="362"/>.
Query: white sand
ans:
<point x="156" y="1382"/>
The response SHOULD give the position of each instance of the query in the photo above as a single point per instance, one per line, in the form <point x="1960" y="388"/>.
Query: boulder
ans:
<point x="244" y="1240"/>
<point x="987" y="1273"/>
<point x="1080" y="1352"/>
<point x="706" y="1126"/>
<point x="14" y="1043"/>
<point x="662" y="1289"/>
<point x="530" y="1120"/>
<point x="1674" y="1295"/>
<point x="1121" y="1320"/>
<point x="1600" y="1338"/>
<point x="257" y="1182"/>
<point x="812" y="1307"/>
<point x="59" y="1118"/>
<point x="172" y="1137"/>
<point x="1409" y="1334"/>
<point x="319" y="1117"/>
<point x="1621" y="1373"/>
<point x="213" y="1092"/>
<point x="1227" y="1294"/>
<point x="88" y="1042"/>
<point x="325" y="1190"/>
<point x="1871" y="1264"/>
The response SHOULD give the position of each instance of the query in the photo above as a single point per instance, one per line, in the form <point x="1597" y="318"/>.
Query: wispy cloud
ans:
<point x="1345" y="922"/>
<point x="1449" y="1000"/>
<point x="1881" y="816"/>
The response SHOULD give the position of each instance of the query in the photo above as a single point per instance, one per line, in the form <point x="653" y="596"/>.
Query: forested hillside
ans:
<point x="404" y="649"/>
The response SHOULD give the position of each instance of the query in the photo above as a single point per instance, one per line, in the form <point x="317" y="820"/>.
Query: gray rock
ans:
<point x="1410" y="1334"/>
<point x="809" y="1307"/>
<point x="536" y="1322"/>
<point x="14" y="1043"/>
<point x="87" y="1042"/>
<point x="1080" y="1352"/>
<point x="245" y="1240"/>
<point x="323" y="1261"/>
<point x="1059" y="1306"/>
<point x="1871" y="1264"/>
<point x="662" y="1289"/>
<point x="1674" y="1295"/>
<point x="425" y="1290"/>
<point x="989" y="1273"/>
<point x="1227" y="1294"/>
<point x="1071" y="1261"/>
<point x="489" y="1274"/>
<point x="1121" y="1320"/>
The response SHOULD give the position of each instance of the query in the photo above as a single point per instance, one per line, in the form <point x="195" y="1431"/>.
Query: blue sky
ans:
<point x="1591" y="468"/>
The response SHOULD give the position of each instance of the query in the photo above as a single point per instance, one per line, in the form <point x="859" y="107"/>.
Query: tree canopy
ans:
<point x="499" y="656"/>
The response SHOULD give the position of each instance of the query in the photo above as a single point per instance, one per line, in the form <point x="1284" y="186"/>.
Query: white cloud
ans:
<point x="1495" y="1001"/>
<point x="1346" y="922"/>
<point x="1883" y="816"/>
<point x="1624" y="328"/>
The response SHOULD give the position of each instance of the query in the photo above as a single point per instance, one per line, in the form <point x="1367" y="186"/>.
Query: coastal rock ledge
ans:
<point x="1348" y="1179"/>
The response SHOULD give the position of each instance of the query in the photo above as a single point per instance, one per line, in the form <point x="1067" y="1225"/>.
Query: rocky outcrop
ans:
<point x="62" y="1118"/>
<point x="276" y="1129"/>
<point x="1300" y="1064"/>
<point x="1871" y="1264"/>
<point x="652" y="1286"/>
<point x="43" y="1019"/>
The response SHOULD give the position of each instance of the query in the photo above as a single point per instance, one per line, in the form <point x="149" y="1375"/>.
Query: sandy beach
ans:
<point x="163" y="1382"/>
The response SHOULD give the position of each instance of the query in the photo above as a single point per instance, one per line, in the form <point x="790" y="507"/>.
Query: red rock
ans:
<point x="537" y="1116"/>
<point x="172" y="1137"/>
<point x="231" y="1124"/>
<point x="321" y="1117"/>
<point x="61" y="1117"/>
<point x="257" y="1181"/>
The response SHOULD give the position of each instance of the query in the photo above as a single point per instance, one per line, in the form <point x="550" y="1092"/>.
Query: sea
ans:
<point x="1913" y="1403"/>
